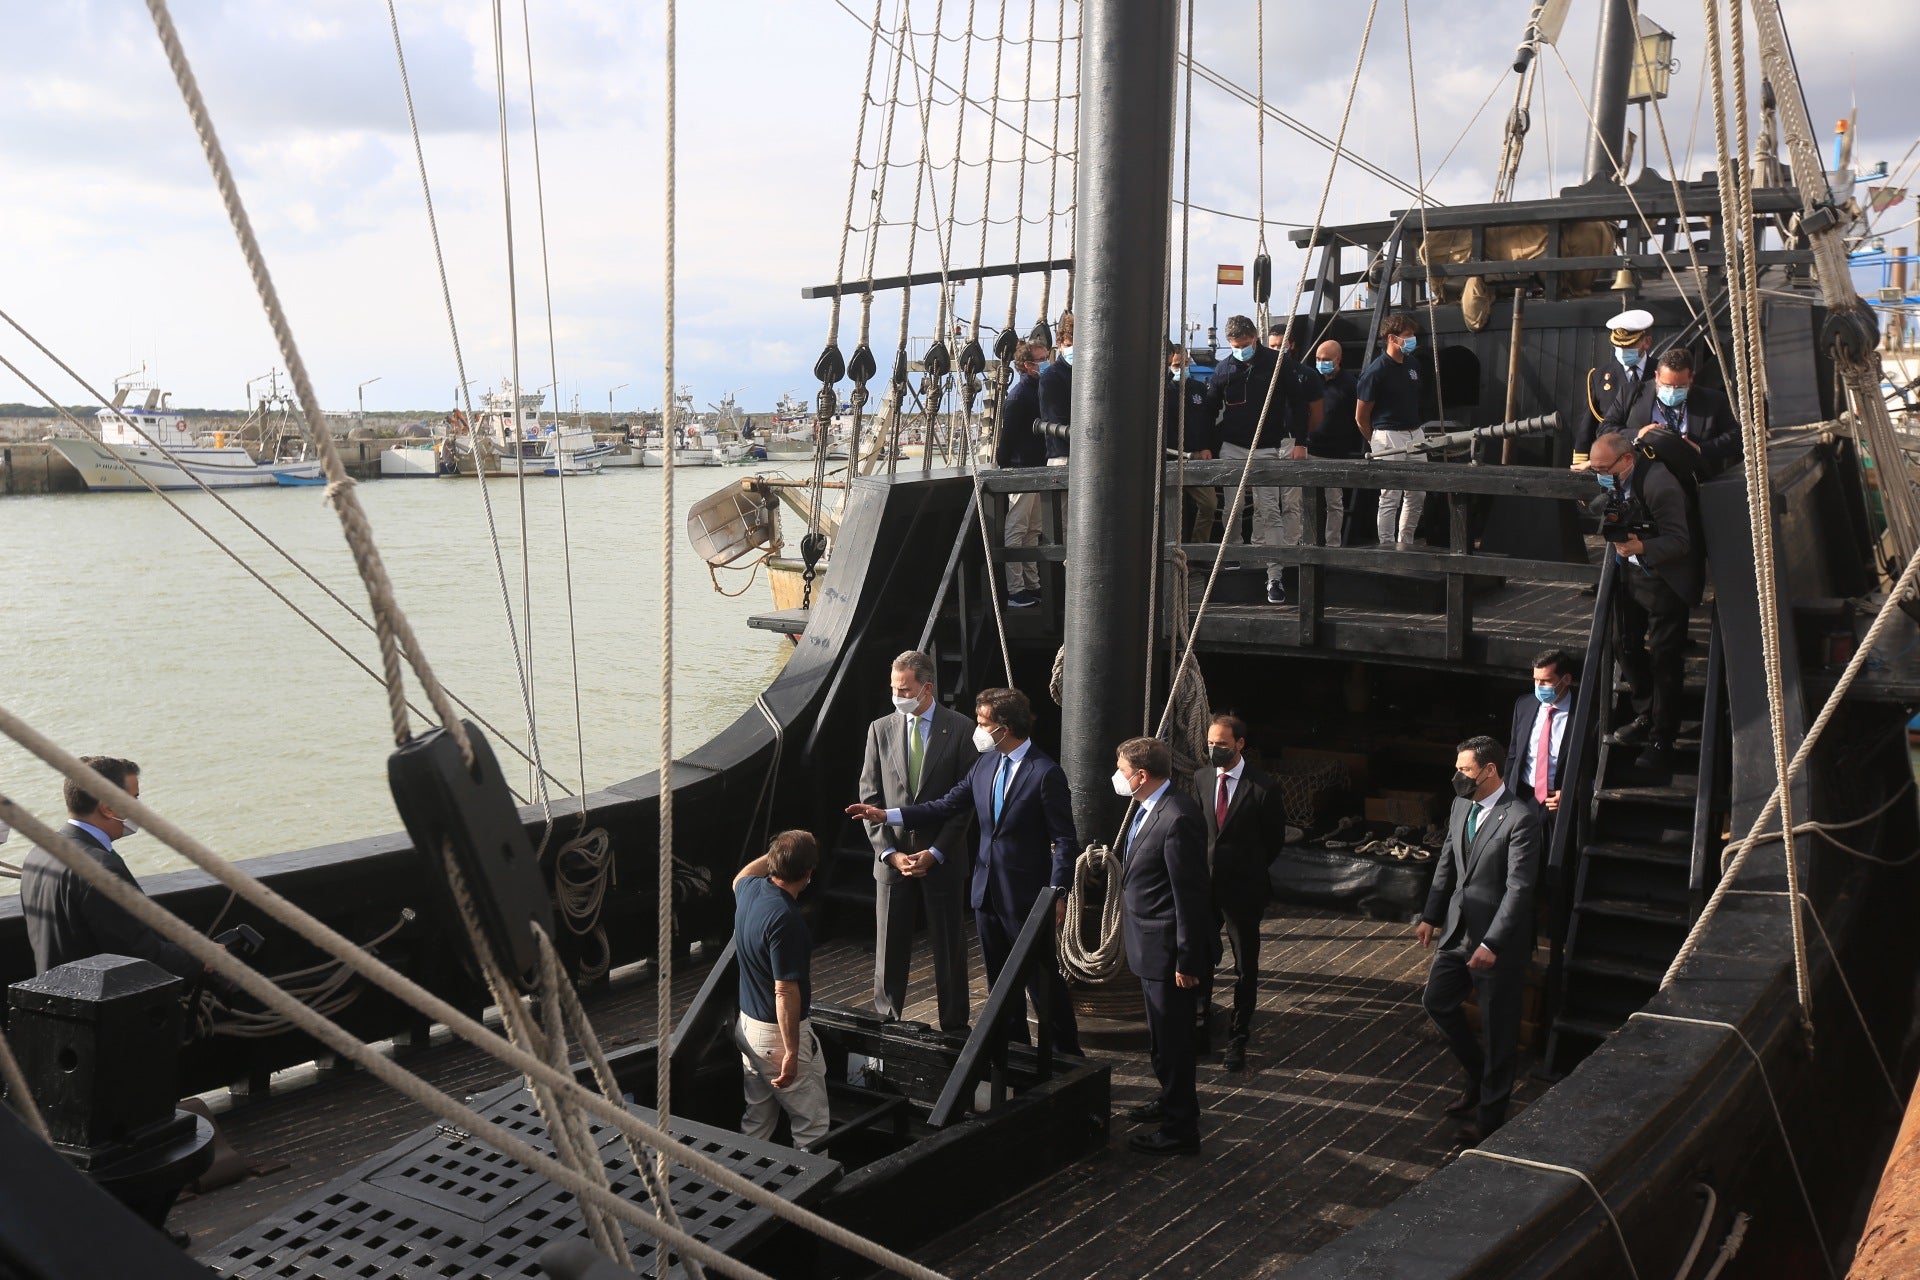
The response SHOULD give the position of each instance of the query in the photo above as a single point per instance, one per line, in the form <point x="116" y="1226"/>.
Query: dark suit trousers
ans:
<point x="1650" y="628"/>
<point x="996" y="944"/>
<point x="1491" y="1068"/>
<point x="895" y="897"/>
<point x="1170" y="1011"/>
<point x="1243" y="939"/>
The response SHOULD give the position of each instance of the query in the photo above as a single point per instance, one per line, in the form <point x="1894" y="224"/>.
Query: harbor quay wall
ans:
<point x="32" y="467"/>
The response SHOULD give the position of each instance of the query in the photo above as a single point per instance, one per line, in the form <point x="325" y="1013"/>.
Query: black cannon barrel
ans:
<point x="1540" y="425"/>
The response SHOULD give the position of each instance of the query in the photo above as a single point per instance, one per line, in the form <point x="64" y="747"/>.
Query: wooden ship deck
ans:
<point x="1337" y="1113"/>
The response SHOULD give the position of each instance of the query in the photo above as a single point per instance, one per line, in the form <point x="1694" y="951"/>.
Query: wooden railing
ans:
<point x="1459" y="562"/>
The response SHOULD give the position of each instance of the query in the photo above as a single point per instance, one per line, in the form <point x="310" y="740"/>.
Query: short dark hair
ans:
<point x="1558" y="659"/>
<point x="918" y="663"/>
<point x="81" y="804"/>
<point x="793" y="855"/>
<point x="1399" y="322"/>
<point x="1241" y="327"/>
<point x="1486" y="751"/>
<point x="1235" y="725"/>
<point x="1008" y="708"/>
<point x="1150" y="754"/>
<point x="1678" y="359"/>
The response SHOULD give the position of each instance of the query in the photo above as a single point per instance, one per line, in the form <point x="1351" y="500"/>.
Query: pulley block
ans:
<point x="902" y="367"/>
<point x="447" y="805"/>
<point x="1041" y="333"/>
<point x="1005" y="345"/>
<point x="1262" y="278"/>
<point x="973" y="359"/>
<point x="830" y="367"/>
<point x="862" y="366"/>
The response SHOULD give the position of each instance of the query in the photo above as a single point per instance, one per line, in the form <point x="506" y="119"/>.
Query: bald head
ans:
<point x="1609" y="451"/>
<point x="1328" y="350"/>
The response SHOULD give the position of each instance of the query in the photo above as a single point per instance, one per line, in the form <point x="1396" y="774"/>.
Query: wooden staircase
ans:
<point x="1648" y="853"/>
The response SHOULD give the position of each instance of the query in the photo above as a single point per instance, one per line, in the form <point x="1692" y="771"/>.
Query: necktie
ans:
<point x="1473" y="822"/>
<point x="1000" y="787"/>
<point x="916" y="752"/>
<point x="1140" y="816"/>
<point x="1220" y="804"/>
<point x="1543" y="758"/>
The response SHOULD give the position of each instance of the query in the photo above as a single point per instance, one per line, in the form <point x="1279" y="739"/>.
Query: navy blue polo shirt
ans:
<point x="1392" y="387"/>
<point x="773" y="944"/>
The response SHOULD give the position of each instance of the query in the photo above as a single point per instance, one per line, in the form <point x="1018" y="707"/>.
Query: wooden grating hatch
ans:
<point x="443" y="1204"/>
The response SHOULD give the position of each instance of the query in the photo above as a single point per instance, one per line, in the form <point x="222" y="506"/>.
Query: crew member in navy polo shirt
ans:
<point x="779" y="1053"/>
<point x="1388" y="414"/>
<point x="1337" y="436"/>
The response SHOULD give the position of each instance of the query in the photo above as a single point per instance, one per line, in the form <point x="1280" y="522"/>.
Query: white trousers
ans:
<point x="1022" y="530"/>
<point x="804" y="1101"/>
<point x="1296" y="515"/>
<point x="1399" y="508"/>
<point x="1269" y="524"/>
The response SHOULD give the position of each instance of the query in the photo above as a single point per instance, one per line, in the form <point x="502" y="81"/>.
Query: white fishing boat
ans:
<point x="152" y="445"/>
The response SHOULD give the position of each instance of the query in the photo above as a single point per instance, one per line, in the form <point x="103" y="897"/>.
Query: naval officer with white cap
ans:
<point x="1617" y="384"/>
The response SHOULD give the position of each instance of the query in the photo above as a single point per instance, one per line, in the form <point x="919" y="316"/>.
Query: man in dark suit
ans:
<point x="1169" y="934"/>
<point x="1245" y="829"/>
<point x="1480" y="910"/>
<point x="1019" y="796"/>
<point x="67" y="918"/>
<point x="1539" y="729"/>
<point x="1699" y="415"/>
<point x="918" y="752"/>
<point x="1662" y="575"/>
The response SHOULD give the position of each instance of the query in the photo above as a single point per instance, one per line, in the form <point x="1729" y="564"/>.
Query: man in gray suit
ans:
<point x="918" y="753"/>
<point x="1481" y="911"/>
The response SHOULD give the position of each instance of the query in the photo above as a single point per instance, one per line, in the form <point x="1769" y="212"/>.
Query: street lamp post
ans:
<point x="361" y="392"/>
<point x="610" y="391"/>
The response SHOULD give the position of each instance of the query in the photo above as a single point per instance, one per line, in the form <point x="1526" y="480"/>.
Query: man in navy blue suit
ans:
<point x="1170" y="932"/>
<point x="1026" y="844"/>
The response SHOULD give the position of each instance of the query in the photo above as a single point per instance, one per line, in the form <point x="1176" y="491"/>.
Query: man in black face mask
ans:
<point x="1245" y="829"/>
<point x="1481" y="910"/>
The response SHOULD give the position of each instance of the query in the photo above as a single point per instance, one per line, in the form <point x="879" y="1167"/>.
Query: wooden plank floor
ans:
<point x="1338" y="1112"/>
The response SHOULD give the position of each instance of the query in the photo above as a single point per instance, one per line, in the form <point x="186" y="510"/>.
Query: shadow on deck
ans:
<point x="1336" y="1115"/>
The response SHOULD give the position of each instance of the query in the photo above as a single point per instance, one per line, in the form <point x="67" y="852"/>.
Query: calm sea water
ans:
<point x="126" y="632"/>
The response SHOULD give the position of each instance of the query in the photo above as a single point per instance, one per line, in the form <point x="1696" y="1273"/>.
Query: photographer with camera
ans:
<point x="1648" y="520"/>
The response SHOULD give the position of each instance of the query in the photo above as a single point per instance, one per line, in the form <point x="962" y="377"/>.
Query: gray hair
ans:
<point x="918" y="663"/>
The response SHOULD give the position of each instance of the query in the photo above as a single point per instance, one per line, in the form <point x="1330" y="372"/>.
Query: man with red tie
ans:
<point x="1245" y="828"/>
<point x="1539" y="729"/>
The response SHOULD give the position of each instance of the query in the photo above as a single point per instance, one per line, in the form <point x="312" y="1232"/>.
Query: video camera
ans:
<point x="1621" y="518"/>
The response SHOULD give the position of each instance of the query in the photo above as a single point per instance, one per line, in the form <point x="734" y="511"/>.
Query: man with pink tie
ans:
<point x="1539" y="729"/>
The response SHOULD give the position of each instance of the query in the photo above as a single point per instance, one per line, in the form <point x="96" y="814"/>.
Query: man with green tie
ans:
<point x="918" y="752"/>
<point x="1480" y="911"/>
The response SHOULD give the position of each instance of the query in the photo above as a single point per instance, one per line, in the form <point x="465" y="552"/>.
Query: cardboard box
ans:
<point x="1399" y="810"/>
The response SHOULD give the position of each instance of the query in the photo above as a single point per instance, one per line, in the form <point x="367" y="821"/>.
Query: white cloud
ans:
<point x="118" y="251"/>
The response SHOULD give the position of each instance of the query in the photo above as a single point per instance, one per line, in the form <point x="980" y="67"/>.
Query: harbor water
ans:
<point x="127" y="632"/>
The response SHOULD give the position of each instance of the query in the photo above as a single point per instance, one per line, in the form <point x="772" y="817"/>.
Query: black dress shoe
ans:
<point x="1469" y="1135"/>
<point x="1466" y="1104"/>
<point x="1657" y="758"/>
<point x="1145" y="1112"/>
<point x="1235" y="1058"/>
<point x="1161" y="1143"/>
<point x="1636" y="732"/>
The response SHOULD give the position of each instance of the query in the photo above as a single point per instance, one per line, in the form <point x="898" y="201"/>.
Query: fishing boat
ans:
<point x="1717" y="1017"/>
<point x="149" y="446"/>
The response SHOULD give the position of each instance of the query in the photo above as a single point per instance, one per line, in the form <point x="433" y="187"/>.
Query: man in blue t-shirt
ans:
<point x="778" y="1051"/>
<point x="1388" y="415"/>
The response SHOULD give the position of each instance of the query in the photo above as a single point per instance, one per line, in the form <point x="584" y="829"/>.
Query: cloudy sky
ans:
<point x="116" y="251"/>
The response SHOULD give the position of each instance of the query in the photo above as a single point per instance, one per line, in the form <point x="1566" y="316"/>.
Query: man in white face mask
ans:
<point x="68" y="919"/>
<point x="1019" y="796"/>
<point x="1169" y="929"/>
<point x="918" y="752"/>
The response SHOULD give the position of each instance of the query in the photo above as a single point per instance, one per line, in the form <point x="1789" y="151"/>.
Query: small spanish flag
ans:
<point x="1231" y="274"/>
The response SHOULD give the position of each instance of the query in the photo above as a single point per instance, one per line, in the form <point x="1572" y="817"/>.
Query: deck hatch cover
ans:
<point x="444" y="1204"/>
